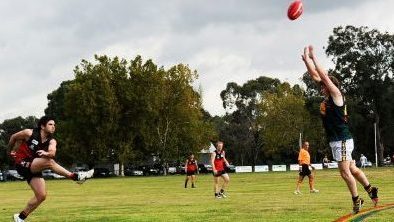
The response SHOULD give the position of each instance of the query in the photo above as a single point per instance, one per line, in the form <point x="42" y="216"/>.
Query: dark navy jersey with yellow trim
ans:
<point x="335" y="120"/>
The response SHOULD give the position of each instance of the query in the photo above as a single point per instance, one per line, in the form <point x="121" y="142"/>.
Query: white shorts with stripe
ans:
<point x="342" y="150"/>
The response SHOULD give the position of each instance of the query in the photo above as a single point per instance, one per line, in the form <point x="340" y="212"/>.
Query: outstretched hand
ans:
<point x="305" y="55"/>
<point x="311" y="53"/>
<point x="42" y="153"/>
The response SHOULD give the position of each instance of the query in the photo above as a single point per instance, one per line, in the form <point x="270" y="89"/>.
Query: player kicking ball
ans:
<point x="219" y="162"/>
<point x="335" y="121"/>
<point x="35" y="152"/>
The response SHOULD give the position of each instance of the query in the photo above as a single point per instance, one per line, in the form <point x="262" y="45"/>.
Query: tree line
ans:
<point x="125" y="112"/>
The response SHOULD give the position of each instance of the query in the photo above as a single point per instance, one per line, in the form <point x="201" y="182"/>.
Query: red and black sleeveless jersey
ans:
<point x="219" y="160"/>
<point x="27" y="150"/>
<point x="191" y="165"/>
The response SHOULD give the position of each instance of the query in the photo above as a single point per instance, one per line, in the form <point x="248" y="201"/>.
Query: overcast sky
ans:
<point x="224" y="40"/>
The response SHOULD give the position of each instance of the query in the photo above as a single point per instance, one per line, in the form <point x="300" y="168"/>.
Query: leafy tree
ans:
<point x="128" y="111"/>
<point x="241" y="132"/>
<point x="283" y="117"/>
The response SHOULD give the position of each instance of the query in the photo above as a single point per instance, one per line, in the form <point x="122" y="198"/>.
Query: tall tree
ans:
<point x="130" y="111"/>
<point x="283" y="117"/>
<point x="242" y="131"/>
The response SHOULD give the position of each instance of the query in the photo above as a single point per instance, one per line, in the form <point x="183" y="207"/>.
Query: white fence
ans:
<point x="243" y="169"/>
<point x="279" y="168"/>
<point x="260" y="169"/>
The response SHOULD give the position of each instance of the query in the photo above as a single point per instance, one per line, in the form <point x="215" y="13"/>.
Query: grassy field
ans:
<point x="252" y="197"/>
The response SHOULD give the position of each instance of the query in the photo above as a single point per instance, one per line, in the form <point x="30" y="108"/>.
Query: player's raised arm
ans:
<point x="310" y="65"/>
<point x="332" y="88"/>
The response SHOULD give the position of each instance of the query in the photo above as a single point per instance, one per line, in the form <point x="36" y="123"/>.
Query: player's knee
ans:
<point x="41" y="197"/>
<point x="354" y="170"/>
<point x="50" y="163"/>
<point x="345" y="174"/>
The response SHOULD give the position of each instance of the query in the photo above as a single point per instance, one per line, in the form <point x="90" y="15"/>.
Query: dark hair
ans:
<point x="44" y="120"/>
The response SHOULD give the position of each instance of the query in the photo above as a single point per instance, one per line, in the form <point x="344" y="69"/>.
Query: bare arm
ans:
<point x="186" y="163"/>
<point x="334" y="91"/>
<point x="310" y="66"/>
<point x="213" y="162"/>
<point x="51" y="150"/>
<point x="225" y="160"/>
<point x="197" y="167"/>
<point x="22" y="135"/>
<point x="299" y="157"/>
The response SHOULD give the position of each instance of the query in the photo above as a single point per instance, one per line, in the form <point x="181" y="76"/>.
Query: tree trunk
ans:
<point x="379" y="144"/>
<point x="122" y="169"/>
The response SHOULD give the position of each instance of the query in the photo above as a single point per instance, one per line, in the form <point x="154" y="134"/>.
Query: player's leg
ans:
<point x="361" y="178"/>
<point x="298" y="186"/>
<point x="347" y="176"/>
<point x="216" y="186"/>
<point x="40" y="164"/>
<point x="226" y="181"/>
<point x="186" y="179"/>
<point x="344" y="168"/>
<point x="37" y="184"/>
<point x="193" y="178"/>
<point x="312" y="189"/>
<point x="342" y="151"/>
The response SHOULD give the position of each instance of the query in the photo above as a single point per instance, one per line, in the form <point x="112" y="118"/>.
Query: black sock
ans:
<point x="186" y="184"/>
<point x="221" y="191"/>
<point x="355" y="199"/>
<point x="216" y="194"/>
<point x="74" y="176"/>
<point x="22" y="215"/>
<point x="368" y="188"/>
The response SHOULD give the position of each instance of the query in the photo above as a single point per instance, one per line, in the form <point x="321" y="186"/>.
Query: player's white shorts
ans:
<point x="342" y="150"/>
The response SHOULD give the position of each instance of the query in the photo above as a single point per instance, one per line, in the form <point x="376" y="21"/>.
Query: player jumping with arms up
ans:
<point x="335" y="121"/>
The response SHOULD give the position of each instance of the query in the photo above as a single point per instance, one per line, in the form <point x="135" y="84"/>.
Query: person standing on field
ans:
<point x="363" y="161"/>
<point x="304" y="161"/>
<point x="335" y="121"/>
<point x="219" y="164"/>
<point x="35" y="152"/>
<point x="191" y="169"/>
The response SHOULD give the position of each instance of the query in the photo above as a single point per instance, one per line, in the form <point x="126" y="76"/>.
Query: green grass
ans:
<point x="252" y="197"/>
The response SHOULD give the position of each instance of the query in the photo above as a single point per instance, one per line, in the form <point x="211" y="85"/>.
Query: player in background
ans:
<point x="219" y="164"/>
<point x="191" y="169"/>
<point x="304" y="160"/>
<point x="33" y="151"/>
<point x="335" y="121"/>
